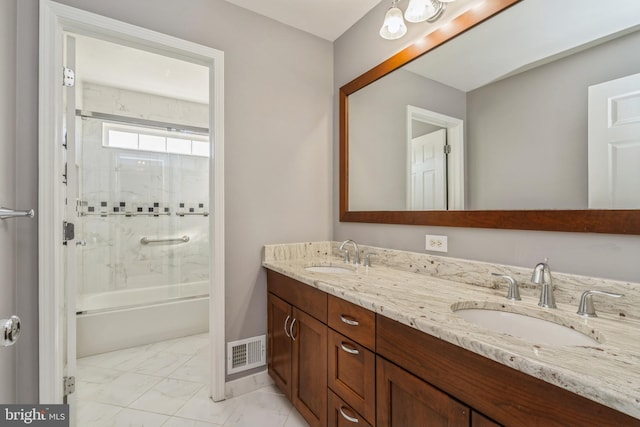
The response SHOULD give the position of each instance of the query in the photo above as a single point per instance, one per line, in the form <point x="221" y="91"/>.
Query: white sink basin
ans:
<point x="531" y="329"/>
<point x="329" y="269"/>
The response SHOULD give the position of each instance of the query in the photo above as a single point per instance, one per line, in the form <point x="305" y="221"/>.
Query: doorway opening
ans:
<point x="142" y="196"/>
<point x="448" y="135"/>
<point x="109" y="189"/>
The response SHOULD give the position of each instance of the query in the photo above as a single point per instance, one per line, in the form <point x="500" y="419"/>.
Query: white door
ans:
<point x="614" y="144"/>
<point x="7" y="199"/>
<point x="428" y="172"/>
<point x="70" y="217"/>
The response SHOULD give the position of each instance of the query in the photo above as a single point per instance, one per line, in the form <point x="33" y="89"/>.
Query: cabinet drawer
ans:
<point x="351" y="372"/>
<point x="342" y="415"/>
<point x="352" y="321"/>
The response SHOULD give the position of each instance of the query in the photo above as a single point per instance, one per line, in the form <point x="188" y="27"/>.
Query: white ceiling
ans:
<point x="110" y="64"/>
<point x="327" y="19"/>
<point x="495" y="51"/>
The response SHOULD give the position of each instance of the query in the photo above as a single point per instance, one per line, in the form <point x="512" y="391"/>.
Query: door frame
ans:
<point x="55" y="19"/>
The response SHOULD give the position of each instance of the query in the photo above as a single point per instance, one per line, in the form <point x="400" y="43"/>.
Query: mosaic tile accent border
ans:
<point x="109" y="208"/>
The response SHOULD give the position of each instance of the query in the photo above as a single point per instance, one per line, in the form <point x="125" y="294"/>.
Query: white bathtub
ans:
<point x="121" y="319"/>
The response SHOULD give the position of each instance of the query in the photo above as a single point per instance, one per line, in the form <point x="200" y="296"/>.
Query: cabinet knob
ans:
<point x="293" y="322"/>
<point x="286" y="332"/>
<point x="349" y="321"/>
<point x="10" y="330"/>
<point x="349" y="349"/>
<point x="347" y="417"/>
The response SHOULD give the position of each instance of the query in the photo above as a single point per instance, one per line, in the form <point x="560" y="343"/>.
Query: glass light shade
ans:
<point x="419" y="10"/>
<point x="393" y="26"/>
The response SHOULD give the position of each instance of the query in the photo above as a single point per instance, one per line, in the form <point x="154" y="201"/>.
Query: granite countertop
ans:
<point x="607" y="372"/>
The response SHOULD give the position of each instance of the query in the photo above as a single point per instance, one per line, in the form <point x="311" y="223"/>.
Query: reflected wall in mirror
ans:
<point x="520" y="84"/>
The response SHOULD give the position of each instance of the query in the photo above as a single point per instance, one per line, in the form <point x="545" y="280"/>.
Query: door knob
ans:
<point x="10" y="331"/>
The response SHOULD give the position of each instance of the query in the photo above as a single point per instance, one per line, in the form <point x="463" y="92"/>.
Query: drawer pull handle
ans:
<point x="285" y="326"/>
<point x="347" y="417"/>
<point x="349" y="349"/>
<point x="291" y="329"/>
<point x="349" y="321"/>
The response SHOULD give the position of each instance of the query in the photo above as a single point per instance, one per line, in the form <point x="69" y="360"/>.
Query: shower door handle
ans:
<point x="10" y="331"/>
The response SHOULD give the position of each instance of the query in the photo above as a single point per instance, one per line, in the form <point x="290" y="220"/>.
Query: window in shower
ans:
<point x="140" y="138"/>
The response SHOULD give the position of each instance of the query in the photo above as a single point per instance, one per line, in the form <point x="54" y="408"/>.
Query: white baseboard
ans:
<point x="247" y="384"/>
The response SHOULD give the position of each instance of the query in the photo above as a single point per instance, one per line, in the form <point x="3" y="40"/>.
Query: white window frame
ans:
<point x="107" y="127"/>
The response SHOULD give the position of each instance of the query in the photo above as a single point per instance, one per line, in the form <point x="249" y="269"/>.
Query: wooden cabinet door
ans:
<point x="279" y="318"/>
<point x="404" y="400"/>
<point x="479" y="420"/>
<point x="309" y="368"/>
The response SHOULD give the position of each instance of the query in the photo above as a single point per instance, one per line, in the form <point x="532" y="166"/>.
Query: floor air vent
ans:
<point x="246" y="354"/>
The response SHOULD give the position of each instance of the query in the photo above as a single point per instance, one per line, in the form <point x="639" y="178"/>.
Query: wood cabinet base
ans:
<point x="508" y="396"/>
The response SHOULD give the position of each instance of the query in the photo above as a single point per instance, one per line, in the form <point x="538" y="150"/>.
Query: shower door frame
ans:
<point x="55" y="20"/>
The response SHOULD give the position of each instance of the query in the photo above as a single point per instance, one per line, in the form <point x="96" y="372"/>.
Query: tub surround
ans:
<point x="128" y="194"/>
<point x="418" y="290"/>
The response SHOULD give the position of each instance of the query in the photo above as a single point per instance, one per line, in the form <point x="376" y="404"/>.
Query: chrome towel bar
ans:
<point x="10" y="213"/>
<point x="183" y="239"/>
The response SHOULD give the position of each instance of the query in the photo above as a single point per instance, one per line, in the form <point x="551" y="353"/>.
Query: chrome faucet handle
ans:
<point x="513" y="293"/>
<point x="367" y="260"/>
<point x="586" y="307"/>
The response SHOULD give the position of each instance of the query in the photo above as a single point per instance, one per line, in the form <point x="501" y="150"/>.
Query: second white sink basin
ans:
<point x="329" y="269"/>
<point x="527" y="328"/>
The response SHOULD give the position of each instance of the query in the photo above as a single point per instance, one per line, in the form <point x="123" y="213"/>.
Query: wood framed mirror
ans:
<point x="613" y="221"/>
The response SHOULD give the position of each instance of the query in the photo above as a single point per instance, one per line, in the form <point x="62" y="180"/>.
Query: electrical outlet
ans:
<point x="436" y="243"/>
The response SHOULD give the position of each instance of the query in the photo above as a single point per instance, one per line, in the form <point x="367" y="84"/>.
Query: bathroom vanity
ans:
<point x="382" y="345"/>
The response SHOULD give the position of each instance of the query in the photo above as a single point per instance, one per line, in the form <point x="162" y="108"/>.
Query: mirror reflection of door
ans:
<point x="614" y="144"/>
<point x="434" y="161"/>
<point x="428" y="172"/>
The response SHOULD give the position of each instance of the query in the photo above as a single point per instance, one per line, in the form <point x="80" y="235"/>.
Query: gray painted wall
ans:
<point x="609" y="256"/>
<point x="278" y="133"/>
<point x="7" y="190"/>
<point x="527" y="134"/>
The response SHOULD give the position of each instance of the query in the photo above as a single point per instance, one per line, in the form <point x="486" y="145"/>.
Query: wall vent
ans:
<point x="246" y="354"/>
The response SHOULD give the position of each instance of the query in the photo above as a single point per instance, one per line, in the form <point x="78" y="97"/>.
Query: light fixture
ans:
<point x="417" y="11"/>
<point x="393" y="26"/>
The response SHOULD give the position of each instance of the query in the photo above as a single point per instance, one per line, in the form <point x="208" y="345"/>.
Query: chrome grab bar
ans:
<point x="183" y="239"/>
<point x="10" y="213"/>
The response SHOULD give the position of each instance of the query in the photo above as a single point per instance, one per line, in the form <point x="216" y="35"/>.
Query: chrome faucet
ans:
<point x="542" y="276"/>
<point x="356" y="250"/>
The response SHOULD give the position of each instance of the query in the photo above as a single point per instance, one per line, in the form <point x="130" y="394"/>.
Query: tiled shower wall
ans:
<point x="126" y="195"/>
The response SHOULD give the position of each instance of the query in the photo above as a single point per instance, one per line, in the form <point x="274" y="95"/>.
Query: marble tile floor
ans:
<point x="164" y="384"/>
